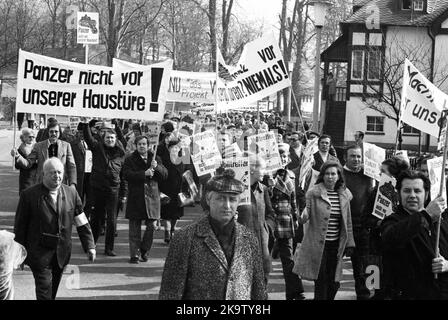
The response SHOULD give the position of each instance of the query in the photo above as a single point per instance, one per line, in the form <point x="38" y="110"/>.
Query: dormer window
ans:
<point x="418" y="5"/>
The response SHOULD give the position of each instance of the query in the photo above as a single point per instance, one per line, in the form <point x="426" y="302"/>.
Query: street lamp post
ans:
<point x="320" y="9"/>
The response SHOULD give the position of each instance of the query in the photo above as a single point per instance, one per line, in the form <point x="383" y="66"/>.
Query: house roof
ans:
<point x="390" y="14"/>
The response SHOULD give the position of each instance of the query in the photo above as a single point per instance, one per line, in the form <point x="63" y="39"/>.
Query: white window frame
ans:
<point x="353" y="64"/>
<point x="421" y="5"/>
<point x="379" y="66"/>
<point x="375" y="124"/>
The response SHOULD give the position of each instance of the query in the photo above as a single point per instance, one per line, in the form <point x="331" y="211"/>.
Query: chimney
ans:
<point x="357" y="4"/>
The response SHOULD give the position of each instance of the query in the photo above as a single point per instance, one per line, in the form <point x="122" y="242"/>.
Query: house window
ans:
<point x="357" y="64"/>
<point x="374" y="62"/>
<point x="410" y="130"/>
<point x="418" y="5"/>
<point x="375" y="124"/>
<point x="407" y="4"/>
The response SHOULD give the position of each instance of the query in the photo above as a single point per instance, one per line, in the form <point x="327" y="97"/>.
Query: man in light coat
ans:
<point x="215" y="258"/>
<point x="52" y="147"/>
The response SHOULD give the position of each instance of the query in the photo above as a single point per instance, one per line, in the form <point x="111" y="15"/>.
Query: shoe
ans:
<point x="300" y="296"/>
<point x="133" y="260"/>
<point x="110" y="253"/>
<point x="116" y="234"/>
<point x="144" y="256"/>
<point x="102" y="232"/>
<point x="167" y="237"/>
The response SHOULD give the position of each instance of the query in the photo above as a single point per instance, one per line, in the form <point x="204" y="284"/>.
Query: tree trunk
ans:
<point x="213" y="39"/>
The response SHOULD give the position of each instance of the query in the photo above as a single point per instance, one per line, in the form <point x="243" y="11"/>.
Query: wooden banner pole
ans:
<point x="442" y="182"/>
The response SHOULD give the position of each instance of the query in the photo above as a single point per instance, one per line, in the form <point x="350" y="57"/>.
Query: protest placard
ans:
<point x="187" y="128"/>
<point x="74" y="121"/>
<point x="403" y="154"/>
<point x="386" y="197"/>
<point x="198" y="87"/>
<point x="421" y="101"/>
<point x="373" y="157"/>
<point x="242" y="168"/>
<point x="153" y="132"/>
<point x="52" y="86"/>
<point x="307" y="160"/>
<point x="232" y="151"/>
<point x="435" y="167"/>
<point x="88" y="25"/>
<point x="265" y="145"/>
<point x="260" y="72"/>
<point x="206" y="156"/>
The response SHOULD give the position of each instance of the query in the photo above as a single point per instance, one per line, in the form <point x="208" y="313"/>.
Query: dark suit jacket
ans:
<point x="40" y="154"/>
<point x="36" y="214"/>
<point x="79" y="154"/>
<point x="295" y="160"/>
<point x="143" y="191"/>
<point x="318" y="161"/>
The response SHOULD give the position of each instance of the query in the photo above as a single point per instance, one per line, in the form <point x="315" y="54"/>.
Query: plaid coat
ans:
<point x="196" y="267"/>
<point x="284" y="205"/>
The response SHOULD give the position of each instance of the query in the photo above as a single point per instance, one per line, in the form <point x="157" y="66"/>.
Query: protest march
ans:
<point x="245" y="190"/>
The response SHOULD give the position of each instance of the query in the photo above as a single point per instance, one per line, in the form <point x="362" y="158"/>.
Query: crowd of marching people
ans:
<point x="309" y="226"/>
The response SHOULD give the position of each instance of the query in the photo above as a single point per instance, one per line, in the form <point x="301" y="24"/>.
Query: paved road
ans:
<point x="114" y="277"/>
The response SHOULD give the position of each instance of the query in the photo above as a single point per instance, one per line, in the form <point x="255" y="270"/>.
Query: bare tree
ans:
<point x="386" y="98"/>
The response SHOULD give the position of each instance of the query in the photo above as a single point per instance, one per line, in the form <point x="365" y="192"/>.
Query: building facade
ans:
<point x="376" y="39"/>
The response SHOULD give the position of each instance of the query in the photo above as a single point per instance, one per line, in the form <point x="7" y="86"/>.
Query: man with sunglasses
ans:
<point x="52" y="147"/>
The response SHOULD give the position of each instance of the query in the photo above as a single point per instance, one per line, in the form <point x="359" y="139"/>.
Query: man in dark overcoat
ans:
<point x="43" y="225"/>
<point x="143" y="175"/>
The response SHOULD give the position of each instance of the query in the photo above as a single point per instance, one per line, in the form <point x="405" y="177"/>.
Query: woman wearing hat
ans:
<point x="170" y="213"/>
<point x="328" y="235"/>
<point x="27" y="176"/>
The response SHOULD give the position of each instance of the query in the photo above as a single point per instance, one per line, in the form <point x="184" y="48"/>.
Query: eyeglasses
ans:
<point x="53" y="131"/>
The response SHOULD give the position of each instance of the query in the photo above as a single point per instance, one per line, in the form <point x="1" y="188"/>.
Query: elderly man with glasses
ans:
<point x="49" y="148"/>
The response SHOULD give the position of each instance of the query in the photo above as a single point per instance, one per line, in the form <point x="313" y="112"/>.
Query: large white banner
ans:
<point x="51" y="86"/>
<point x="260" y="72"/>
<point x="198" y="87"/>
<point x="421" y="101"/>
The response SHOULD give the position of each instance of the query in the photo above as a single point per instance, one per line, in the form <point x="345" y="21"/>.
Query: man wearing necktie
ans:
<point x="43" y="225"/>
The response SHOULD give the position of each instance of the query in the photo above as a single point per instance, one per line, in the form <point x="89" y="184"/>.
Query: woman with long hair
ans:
<point x="328" y="232"/>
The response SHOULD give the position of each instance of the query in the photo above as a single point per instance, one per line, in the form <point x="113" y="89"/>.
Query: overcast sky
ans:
<point x="267" y="11"/>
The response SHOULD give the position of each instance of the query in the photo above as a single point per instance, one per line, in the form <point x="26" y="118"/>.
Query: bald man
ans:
<point x="43" y="225"/>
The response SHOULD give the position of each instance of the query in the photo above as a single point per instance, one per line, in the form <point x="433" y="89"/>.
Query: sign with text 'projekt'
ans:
<point x="197" y="87"/>
<point x="51" y="86"/>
